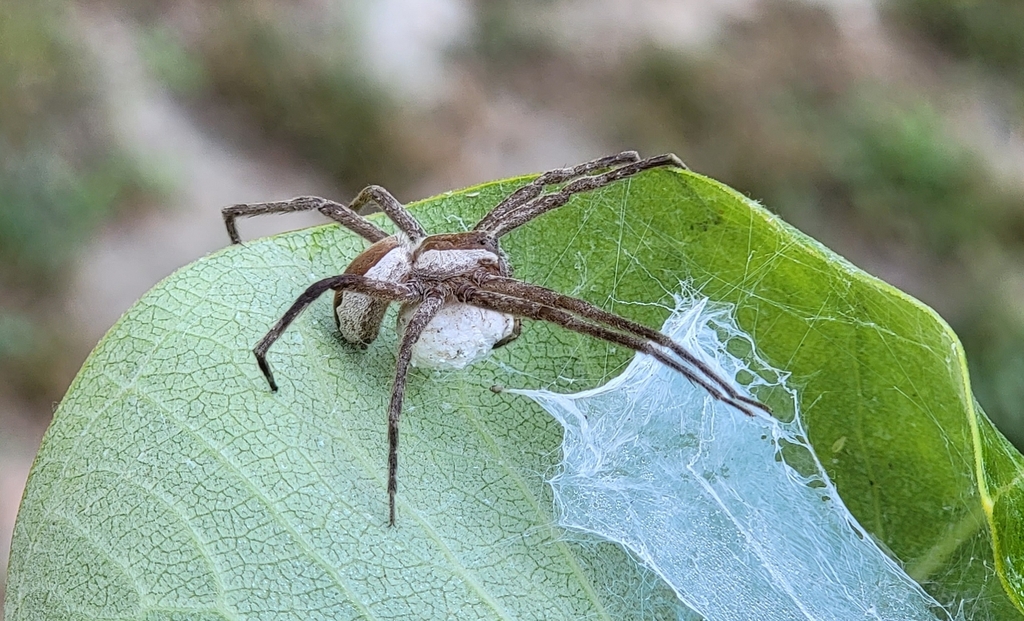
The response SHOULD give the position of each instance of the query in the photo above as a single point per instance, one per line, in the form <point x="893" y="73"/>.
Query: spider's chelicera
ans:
<point x="457" y="297"/>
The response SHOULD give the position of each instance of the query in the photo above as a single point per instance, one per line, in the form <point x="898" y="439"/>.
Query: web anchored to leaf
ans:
<point x="734" y="512"/>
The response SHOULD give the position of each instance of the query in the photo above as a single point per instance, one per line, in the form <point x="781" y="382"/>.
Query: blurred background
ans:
<point x="891" y="130"/>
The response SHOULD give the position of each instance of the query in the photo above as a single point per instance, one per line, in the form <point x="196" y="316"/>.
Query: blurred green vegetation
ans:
<point x="295" y="90"/>
<point x="880" y="157"/>
<point x="989" y="32"/>
<point x="53" y="187"/>
<point x="61" y="176"/>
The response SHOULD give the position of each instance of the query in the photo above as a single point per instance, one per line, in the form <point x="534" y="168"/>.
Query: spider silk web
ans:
<point x="735" y="513"/>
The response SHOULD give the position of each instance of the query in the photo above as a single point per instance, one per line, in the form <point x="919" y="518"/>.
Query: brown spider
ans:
<point x="457" y="297"/>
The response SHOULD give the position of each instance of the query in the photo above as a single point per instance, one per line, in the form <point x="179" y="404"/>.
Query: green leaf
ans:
<point x="172" y="483"/>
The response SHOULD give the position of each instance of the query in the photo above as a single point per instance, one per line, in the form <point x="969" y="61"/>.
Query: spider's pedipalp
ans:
<point x="377" y="288"/>
<point x="559" y="175"/>
<point x="534" y="309"/>
<point x="546" y="202"/>
<point x="529" y="291"/>
<point x="426" y="311"/>
<point x="391" y="208"/>
<point x="335" y="211"/>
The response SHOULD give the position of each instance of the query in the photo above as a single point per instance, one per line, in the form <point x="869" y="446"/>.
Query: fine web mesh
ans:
<point x="735" y="513"/>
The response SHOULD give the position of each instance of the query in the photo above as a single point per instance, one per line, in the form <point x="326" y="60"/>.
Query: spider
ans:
<point x="457" y="298"/>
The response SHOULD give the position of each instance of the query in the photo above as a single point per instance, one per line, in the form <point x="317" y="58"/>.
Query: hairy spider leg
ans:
<point x="547" y="202"/>
<point x="548" y="297"/>
<point x="533" y="189"/>
<point x="541" y="312"/>
<point x="390" y="291"/>
<point x="335" y="211"/>
<point x="390" y="206"/>
<point x="413" y="330"/>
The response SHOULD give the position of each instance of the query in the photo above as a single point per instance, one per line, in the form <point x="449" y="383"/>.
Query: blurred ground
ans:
<point x="891" y="131"/>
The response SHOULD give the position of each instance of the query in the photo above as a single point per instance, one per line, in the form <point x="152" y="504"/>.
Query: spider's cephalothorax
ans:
<point x="457" y="297"/>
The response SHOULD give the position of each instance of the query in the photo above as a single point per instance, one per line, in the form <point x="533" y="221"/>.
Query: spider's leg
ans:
<point x="376" y="288"/>
<point x="548" y="297"/>
<point x="541" y="312"/>
<point x="419" y="320"/>
<point x="391" y="207"/>
<point x="335" y="211"/>
<point x="545" y="203"/>
<point x="533" y="189"/>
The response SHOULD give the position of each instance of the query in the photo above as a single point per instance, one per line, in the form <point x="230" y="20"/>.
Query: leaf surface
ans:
<point x="172" y="483"/>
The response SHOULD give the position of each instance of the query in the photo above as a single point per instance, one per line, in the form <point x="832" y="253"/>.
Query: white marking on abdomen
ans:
<point x="448" y="263"/>
<point x="392" y="267"/>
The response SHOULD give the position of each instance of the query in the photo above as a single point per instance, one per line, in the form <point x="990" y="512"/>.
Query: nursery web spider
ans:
<point x="457" y="297"/>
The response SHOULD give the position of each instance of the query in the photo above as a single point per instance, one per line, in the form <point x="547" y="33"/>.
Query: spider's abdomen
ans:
<point x="359" y="316"/>
<point x="458" y="335"/>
